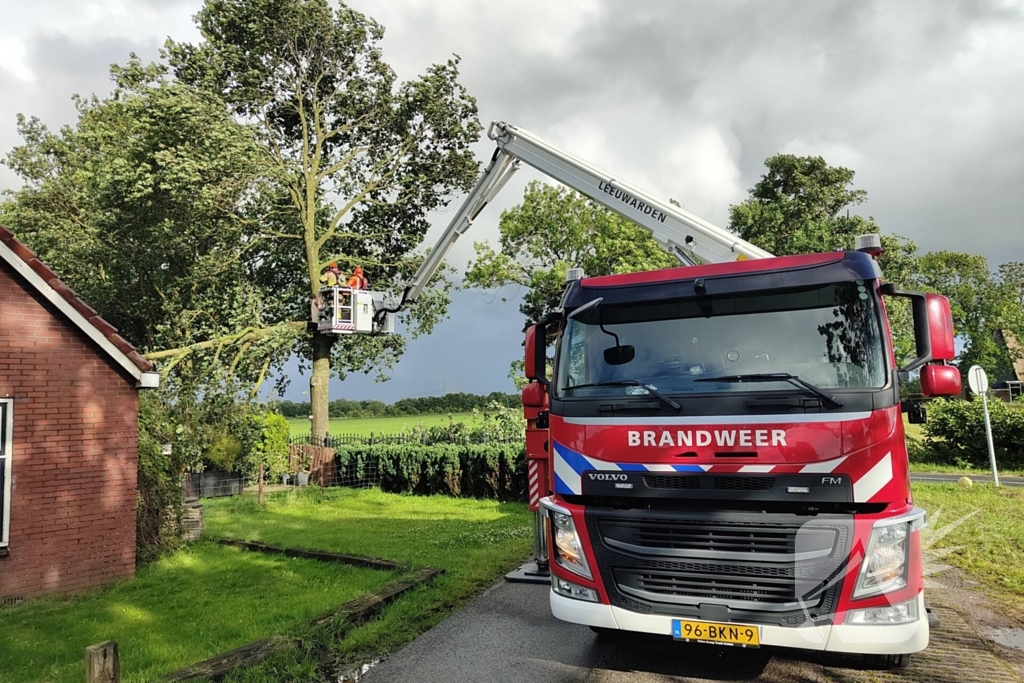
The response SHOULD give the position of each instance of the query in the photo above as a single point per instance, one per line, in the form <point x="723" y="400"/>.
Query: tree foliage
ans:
<point x="797" y="207"/>
<point x="143" y="207"/>
<point x="553" y="229"/>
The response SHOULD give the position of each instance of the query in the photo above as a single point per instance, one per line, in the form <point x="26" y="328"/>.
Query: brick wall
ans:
<point x="74" y="452"/>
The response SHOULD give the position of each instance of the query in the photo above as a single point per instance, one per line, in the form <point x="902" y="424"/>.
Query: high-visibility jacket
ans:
<point x="331" y="278"/>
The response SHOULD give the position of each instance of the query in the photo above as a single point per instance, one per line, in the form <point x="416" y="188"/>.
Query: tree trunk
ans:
<point x="319" y="382"/>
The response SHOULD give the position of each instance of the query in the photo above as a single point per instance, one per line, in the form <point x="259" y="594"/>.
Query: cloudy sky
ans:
<point x="923" y="99"/>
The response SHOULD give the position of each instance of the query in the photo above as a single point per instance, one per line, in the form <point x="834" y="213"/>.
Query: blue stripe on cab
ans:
<point x="573" y="459"/>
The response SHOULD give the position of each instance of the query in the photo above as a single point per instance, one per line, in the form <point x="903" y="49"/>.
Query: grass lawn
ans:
<point x="991" y="543"/>
<point x="191" y="605"/>
<point x="475" y="541"/>
<point x="375" y="425"/>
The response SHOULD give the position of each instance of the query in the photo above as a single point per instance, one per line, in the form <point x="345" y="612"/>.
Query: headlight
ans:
<point x="903" y="613"/>
<point x="884" y="568"/>
<point x="568" y="549"/>
<point x="572" y="590"/>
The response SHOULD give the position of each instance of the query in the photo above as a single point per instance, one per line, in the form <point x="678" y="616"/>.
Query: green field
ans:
<point x="376" y="425"/>
<point x="189" y="606"/>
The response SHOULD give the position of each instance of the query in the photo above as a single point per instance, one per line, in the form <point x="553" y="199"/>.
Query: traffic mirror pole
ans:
<point x="988" y="436"/>
<point x="978" y="381"/>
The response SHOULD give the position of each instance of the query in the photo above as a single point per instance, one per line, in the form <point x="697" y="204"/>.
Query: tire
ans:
<point x="603" y="631"/>
<point x="890" y="661"/>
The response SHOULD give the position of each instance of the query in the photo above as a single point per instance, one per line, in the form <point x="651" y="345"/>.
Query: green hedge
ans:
<point x="956" y="433"/>
<point x="472" y="470"/>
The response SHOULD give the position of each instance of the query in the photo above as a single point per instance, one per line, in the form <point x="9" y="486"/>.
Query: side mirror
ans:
<point x="534" y="395"/>
<point x="619" y="355"/>
<point x="933" y="326"/>
<point x="940" y="327"/>
<point x="535" y="361"/>
<point x="940" y="380"/>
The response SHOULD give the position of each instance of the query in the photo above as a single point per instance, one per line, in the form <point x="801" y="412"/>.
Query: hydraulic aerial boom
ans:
<point x="691" y="239"/>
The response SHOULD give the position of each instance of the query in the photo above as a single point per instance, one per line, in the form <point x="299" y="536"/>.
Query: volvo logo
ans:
<point x="608" y="477"/>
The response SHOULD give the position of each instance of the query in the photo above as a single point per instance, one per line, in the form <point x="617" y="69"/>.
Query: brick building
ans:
<point x="68" y="435"/>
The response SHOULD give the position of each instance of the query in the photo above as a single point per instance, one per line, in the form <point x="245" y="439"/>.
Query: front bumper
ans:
<point x="882" y="640"/>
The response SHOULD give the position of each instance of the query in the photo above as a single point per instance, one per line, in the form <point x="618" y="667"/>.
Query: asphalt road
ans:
<point x="978" y="479"/>
<point x="509" y="635"/>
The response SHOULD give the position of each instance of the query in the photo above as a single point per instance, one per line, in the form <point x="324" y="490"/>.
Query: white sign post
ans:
<point x="978" y="381"/>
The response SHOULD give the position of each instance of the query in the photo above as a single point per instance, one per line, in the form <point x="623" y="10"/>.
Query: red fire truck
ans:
<point x="716" y="452"/>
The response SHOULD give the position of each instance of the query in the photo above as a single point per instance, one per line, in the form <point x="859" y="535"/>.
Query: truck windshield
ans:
<point x="827" y="335"/>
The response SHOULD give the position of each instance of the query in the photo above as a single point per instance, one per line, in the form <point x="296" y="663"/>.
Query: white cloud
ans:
<point x="13" y="59"/>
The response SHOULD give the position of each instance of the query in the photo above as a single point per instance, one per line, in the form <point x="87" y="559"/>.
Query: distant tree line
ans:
<point x="425" y="405"/>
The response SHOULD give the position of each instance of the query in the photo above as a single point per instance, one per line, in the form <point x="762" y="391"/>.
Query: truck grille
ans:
<point x="784" y="569"/>
<point x="689" y="482"/>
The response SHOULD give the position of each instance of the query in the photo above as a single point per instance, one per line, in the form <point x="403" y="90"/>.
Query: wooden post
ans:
<point x="260" y="496"/>
<point x="102" y="664"/>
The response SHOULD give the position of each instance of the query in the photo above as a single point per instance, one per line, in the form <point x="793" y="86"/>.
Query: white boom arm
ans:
<point x="690" y="238"/>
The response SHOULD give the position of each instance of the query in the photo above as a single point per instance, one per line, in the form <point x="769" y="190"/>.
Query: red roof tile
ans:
<point x="51" y="279"/>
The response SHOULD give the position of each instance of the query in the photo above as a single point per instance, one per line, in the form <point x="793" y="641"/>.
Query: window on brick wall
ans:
<point x="6" y="429"/>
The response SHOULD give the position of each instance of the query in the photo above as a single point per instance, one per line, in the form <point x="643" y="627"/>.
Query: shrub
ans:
<point x="495" y="470"/>
<point x="271" y="448"/>
<point x="224" y="452"/>
<point x="158" y="511"/>
<point x="956" y="433"/>
<point x="424" y="470"/>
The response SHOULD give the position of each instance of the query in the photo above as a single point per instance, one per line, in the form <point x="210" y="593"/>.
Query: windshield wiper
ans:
<point x="776" y="377"/>
<point x="630" y="382"/>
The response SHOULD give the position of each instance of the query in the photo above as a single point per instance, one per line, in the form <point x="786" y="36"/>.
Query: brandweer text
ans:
<point x="704" y="437"/>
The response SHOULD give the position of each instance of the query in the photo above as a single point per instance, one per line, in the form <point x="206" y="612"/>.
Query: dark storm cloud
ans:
<point x="922" y="99"/>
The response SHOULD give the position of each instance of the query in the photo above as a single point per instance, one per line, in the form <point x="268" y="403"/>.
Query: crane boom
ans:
<point x="690" y="238"/>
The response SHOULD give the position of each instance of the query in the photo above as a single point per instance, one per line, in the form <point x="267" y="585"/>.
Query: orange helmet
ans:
<point x="334" y="265"/>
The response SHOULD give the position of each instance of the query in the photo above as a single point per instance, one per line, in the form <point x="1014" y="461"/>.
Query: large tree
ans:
<point x="354" y="160"/>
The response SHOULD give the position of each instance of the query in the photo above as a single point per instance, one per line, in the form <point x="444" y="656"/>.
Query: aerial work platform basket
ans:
<point x="348" y="310"/>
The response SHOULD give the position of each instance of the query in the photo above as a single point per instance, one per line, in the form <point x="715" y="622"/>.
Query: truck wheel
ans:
<point x="890" y="661"/>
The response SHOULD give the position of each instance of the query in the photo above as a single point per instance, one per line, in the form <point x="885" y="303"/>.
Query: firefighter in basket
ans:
<point x="358" y="280"/>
